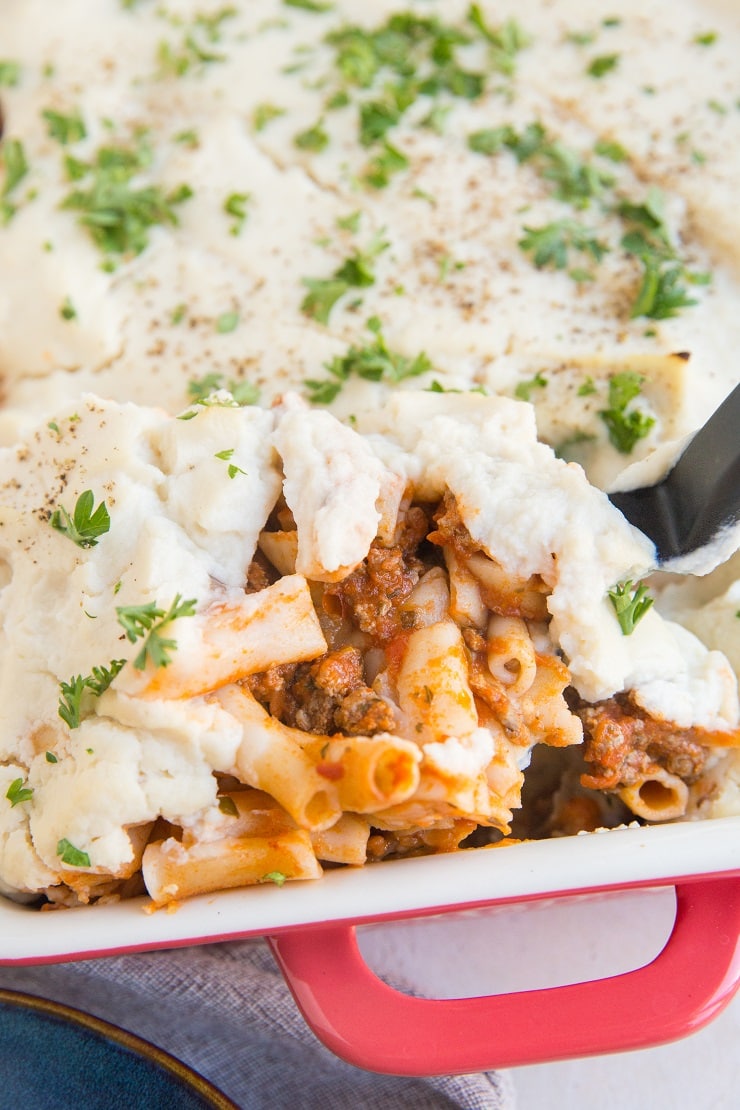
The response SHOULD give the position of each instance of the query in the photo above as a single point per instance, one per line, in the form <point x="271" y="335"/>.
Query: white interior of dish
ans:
<point x="618" y="858"/>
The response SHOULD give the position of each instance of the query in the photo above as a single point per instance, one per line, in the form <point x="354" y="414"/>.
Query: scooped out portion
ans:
<point x="244" y="645"/>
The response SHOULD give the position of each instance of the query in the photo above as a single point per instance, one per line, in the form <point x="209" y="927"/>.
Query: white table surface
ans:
<point x="510" y="948"/>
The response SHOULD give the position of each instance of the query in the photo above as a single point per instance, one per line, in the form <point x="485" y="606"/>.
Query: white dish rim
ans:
<point x="656" y="855"/>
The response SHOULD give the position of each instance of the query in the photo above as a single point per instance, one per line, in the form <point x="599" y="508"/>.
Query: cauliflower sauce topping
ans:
<point x="323" y="329"/>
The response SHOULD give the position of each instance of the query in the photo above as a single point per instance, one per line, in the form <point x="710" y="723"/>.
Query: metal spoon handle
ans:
<point x="700" y="496"/>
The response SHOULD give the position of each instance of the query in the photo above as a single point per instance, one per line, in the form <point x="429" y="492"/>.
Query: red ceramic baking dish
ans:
<point x="311" y="929"/>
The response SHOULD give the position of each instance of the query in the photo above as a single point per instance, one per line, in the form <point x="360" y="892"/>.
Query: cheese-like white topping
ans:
<point x="181" y="524"/>
<point x="215" y="298"/>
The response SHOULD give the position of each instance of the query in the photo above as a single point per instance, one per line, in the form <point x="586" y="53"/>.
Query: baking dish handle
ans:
<point x="373" y="1026"/>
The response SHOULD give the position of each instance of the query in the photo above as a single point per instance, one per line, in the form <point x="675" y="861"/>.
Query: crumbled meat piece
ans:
<point x="261" y="574"/>
<point x="412" y="529"/>
<point x="623" y="745"/>
<point x="373" y="593"/>
<point x="451" y="530"/>
<point x="325" y="696"/>
<point x="385" y="844"/>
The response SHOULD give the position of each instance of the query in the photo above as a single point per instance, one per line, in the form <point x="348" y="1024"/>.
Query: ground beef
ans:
<point x="372" y="594"/>
<point x="326" y="696"/>
<point x="261" y="574"/>
<point x="623" y="744"/>
<point x="451" y="531"/>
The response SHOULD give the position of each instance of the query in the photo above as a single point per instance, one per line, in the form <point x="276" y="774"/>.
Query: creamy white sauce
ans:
<point x="212" y="296"/>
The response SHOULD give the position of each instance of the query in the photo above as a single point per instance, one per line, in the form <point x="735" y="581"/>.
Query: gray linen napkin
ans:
<point x="224" y="1009"/>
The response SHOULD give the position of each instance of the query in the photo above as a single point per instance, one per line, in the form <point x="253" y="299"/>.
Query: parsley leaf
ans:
<point x="85" y="524"/>
<point x="10" y="73"/>
<point x="505" y="41"/>
<point x="661" y="293"/>
<point x="236" y="205"/>
<point x="16" y="164"/>
<point x="17" y="792"/>
<point x="524" y="389"/>
<point x="551" y="244"/>
<point x="630" y="605"/>
<point x="227" y="322"/>
<point x="374" y="362"/>
<point x="265" y="113"/>
<point x="322" y="295"/>
<point x="388" y="162"/>
<point x="243" y="392"/>
<point x="118" y="215"/>
<point x="67" y="310"/>
<point x="605" y="63"/>
<point x="148" y="622"/>
<point x="313" y="138"/>
<point x="65" y="129"/>
<point x="625" y="427"/>
<point x="315" y="6"/>
<point x="70" y="703"/>
<point x="72" y="856"/>
<point x="490" y="140"/>
<point x="276" y="877"/>
<point x="357" y="271"/>
<point x="233" y="469"/>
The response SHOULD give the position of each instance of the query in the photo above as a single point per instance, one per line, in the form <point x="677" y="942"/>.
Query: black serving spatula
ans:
<point x="700" y="496"/>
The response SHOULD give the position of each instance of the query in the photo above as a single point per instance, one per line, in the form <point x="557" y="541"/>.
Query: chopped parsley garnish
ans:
<point x="15" y="162"/>
<point x="705" y="38"/>
<point x="630" y="605"/>
<point x="226" y="456"/>
<point x="265" y="113"/>
<point x="72" y="856"/>
<point x="577" y="181"/>
<point x="357" y="271"/>
<point x="523" y="390"/>
<point x="17" y="792"/>
<point x="313" y="138"/>
<point x="602" y="65"/>
<point x="227" y="805"/>
<point x="51" y="758"/>
<point x="86" y="524"/>
<point x="118" y="215"/>
<point x="67" y="310"/>
<point x="411" y="56"/>
<point x="661" y="294"/>
<point x="192" y="54"/>
<point x="10" y="73"/>
<point x="189" y="137"/>
<point x="147" y="622"/>
<point x="315" y="6"/>
<point x="625" y="425"/>
<point x="611" y="149"/>
<point x="505" y="41"/>
<point x="490" y="140"/>
<point x="226" y="322"/>
<point x="65" y="129"/>
<point x="386" y="163"/>
<point x="581" y="38"/>
<point x="243" y="392"/>
<point x="235" y="205"/>
<point x="276" y="877"/>
<point x="374" y="362"/>
<point x="574" y="180"/>
<point x="350" y="222"/>
<point x="70" y="702"/>
<point x="550" y="245"/>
